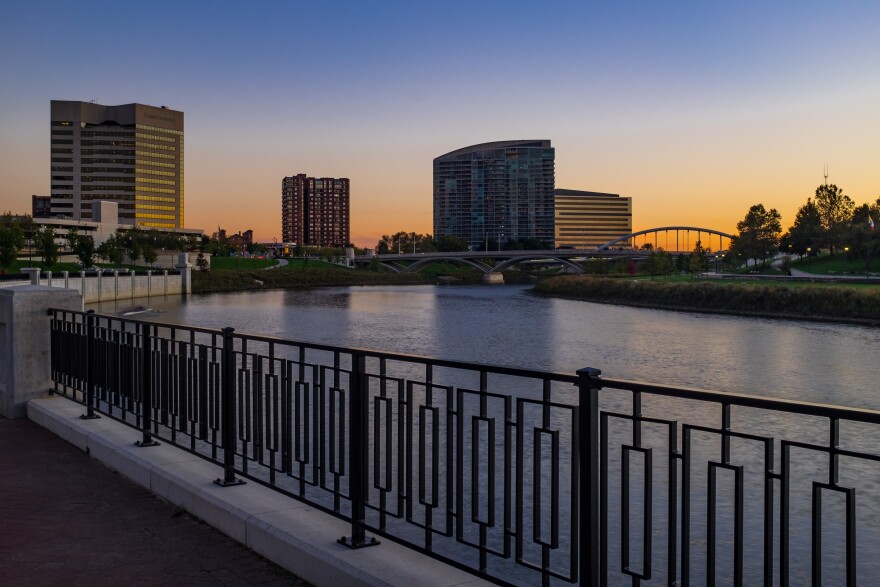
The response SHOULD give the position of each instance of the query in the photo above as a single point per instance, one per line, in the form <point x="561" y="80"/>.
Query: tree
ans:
<point x="45" y="245"/>
<point x="11" y="240"/>
<point x="451" y="244"/>
<point x="202" y="262"/>
<point x="131" y="242"/>
<point x="699" y="261"/>
<point x="835" y="210"/>
<point x="83" y="246"/>
<point x="149" y="254"/>
<point x="805" y="233"/>
<point x="862" y="238"/>
<point x="110" y="250"/>
<point x="758" y="236"/>
<point x="658" y="262"/>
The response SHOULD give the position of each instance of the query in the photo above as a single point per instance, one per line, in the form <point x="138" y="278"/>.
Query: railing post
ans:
<point x="358" y="441"/>
<point x="146" y="387"/>
<point x="90" y="367"/>
<point x="228" y="416"/>
<point x="589" y="384"/>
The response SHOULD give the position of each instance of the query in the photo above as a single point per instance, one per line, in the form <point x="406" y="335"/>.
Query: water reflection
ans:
<point x="507" y="325"/>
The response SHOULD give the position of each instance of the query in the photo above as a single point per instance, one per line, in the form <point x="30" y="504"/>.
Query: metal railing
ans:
<point x="519" y="476"/>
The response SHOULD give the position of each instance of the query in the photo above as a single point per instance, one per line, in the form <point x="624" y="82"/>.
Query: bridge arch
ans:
<point x="508" y="263"/>
<point x="415" y="267"/>
<point x="677" y="229"/>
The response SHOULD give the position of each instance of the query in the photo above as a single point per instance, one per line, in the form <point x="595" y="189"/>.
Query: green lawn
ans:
<point x="239" y="263"/>
<point x="835" y="265"/>
<point x="299" y="263"/>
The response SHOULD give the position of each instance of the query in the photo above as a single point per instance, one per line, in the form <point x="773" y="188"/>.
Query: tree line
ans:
<point x="828" y="221"/>
<point x="127" y="243"/>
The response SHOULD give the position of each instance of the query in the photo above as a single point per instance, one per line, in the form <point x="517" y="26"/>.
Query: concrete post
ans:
<point x="25" y="350"/>
<point x="185" y="268"/>
<point x="33" y="273"/>
<point x="49" y="278"/>
<point x="149" y="283"/>
<point x="66" y="276"/>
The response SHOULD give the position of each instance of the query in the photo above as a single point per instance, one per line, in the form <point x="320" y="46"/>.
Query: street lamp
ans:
<point x="809" y="251"/>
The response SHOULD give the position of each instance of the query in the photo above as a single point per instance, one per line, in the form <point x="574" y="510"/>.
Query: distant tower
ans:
<point x="825" y="169"/>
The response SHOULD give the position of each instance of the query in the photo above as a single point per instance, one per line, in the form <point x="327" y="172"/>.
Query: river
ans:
<point x="507" y="325"/>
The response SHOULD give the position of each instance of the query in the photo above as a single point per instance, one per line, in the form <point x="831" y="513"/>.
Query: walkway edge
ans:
<point x="291" y="534"/>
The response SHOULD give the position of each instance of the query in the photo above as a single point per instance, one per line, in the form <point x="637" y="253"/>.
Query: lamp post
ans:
<point x="809" y="252"/>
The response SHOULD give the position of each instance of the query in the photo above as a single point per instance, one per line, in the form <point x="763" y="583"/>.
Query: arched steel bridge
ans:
<point x="569" y="258"/>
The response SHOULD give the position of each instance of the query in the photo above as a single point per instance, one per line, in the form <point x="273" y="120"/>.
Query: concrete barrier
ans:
<point x="25" y="343"/>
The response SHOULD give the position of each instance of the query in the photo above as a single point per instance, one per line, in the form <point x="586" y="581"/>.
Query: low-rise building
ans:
<point x="585" y="220"/>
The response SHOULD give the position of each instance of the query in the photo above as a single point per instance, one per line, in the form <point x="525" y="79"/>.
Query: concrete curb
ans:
<point x="291" y="534"/>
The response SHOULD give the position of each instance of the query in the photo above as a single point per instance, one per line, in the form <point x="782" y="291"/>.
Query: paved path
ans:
<point x="67" y="520"/>
<point x="280" y="263"/>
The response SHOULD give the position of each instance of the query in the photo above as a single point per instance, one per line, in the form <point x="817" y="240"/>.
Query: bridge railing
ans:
<point x="520" y="476"/>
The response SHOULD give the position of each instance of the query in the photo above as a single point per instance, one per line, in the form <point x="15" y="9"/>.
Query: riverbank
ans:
<point x="238" y="280"/>
<point x="849" y="305"/>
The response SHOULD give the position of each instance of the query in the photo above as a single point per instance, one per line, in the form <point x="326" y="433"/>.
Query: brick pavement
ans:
<point x="67" y="519"/>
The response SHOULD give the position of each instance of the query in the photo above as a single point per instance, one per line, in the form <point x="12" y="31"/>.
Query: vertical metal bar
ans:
<point x="358" y="439"/>
<point x="816" y="550"/>
<point x="146" y="387"/>
<point x="672" y="506"/>
<point x="227" y="390"/>
<point x="90" y="367"/>
<point x="589" y="384"/>
<point x="710" y="527"/>
<point x="784" y="497"/>
<point x="768" y="514"/>
<point x="851" y="538"/>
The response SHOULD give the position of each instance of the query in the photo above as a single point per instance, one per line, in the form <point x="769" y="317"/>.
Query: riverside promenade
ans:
<point x="67" y="519"/>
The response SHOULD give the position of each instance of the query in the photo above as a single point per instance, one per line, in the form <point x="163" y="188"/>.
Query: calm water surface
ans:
<point x="507" y="325"/>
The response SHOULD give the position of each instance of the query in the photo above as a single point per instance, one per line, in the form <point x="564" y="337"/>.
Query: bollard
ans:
<point x="228" y="415"/>
<point x="146" y="387"/>
<point x="358" y="441"/>
<point x="589" y="384"/>
<point x="90" y="367"/>
<point x="66" y="276"/>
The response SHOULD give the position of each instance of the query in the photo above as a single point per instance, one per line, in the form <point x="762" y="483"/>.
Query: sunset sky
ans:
<point x="696" y="110"/>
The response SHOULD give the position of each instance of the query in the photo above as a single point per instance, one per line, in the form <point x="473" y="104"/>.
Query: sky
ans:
<point x="696" y="110"/>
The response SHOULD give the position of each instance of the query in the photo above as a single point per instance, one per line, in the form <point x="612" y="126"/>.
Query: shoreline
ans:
<point x="740" y="313"/>
<point x="764" y="301"/>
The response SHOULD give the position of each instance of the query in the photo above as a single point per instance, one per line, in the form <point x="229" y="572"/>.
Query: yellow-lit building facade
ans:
<point x="130" y="154"/>
<point x="585" y="220"/>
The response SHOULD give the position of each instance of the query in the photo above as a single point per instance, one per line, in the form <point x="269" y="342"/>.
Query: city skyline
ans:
<point x="696" y="112"/>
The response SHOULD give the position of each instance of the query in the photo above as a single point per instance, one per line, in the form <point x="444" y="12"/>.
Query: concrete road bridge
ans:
<point x="683" y="240"/>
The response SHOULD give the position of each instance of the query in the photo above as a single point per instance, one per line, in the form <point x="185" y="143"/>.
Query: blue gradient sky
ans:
<point x="695" y="109"/>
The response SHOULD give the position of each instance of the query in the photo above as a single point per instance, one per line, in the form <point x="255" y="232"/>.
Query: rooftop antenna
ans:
<point x="826" y="173"/>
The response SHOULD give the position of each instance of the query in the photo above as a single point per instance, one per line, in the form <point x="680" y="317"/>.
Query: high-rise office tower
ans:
<point x="495" y="191"/>
<point x="314" y="210"/>
<point x="585" y="220"/>
<point x="130" y="154"/>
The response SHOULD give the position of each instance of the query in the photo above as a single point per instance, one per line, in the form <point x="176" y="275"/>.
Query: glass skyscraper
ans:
<point x="496" y="191"/>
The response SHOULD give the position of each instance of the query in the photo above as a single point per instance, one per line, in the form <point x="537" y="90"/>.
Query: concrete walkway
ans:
<point x="67" y="520"/>
<point x="70" y="498"/>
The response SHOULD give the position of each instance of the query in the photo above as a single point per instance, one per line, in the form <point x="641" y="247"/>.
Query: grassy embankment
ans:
<point x="296" y="274"/>
<point x="827" y="302"/>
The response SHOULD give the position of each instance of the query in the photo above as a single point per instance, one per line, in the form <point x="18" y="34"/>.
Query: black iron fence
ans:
<point x="519" y="476"/>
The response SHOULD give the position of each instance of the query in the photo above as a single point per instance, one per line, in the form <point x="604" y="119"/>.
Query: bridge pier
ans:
<point x="493" y="279"/>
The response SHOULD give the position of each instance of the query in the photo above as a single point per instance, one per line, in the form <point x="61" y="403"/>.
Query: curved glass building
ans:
<point x="496" y="191"/>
